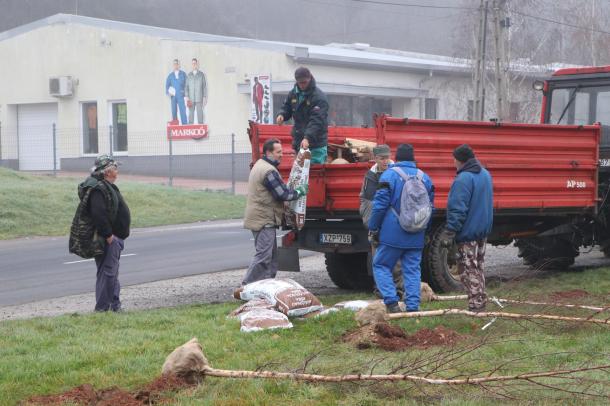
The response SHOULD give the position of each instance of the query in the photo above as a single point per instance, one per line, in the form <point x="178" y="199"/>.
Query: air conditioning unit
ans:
<point x="61" y="86"/>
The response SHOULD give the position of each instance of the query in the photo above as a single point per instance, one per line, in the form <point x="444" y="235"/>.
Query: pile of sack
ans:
<point x="271" y="301"/>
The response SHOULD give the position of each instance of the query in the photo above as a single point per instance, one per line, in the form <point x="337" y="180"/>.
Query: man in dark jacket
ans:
<point x="394" y="242"/>
<point x="308" y="106"/>
<point x="111" y="219"/>
<point x="469" y="222"/>
<point x="370" y="183"/>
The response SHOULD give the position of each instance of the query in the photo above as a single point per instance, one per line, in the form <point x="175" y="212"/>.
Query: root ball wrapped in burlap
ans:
<point x="372" y="314"/>
<point x="187" y="362"/>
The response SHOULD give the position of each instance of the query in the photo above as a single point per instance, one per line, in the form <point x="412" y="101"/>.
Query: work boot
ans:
<point x="393" y="308"/>
<point x="476" y="309"/>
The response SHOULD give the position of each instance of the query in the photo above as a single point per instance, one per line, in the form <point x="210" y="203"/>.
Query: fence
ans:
<point x="219" y="161"/>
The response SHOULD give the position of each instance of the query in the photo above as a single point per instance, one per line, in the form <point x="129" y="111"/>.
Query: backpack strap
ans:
<point x="400" y="172"/>
<point x="419" y="175"/>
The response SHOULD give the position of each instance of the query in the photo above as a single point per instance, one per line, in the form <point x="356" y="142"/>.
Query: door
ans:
<point x="35" y="132"/>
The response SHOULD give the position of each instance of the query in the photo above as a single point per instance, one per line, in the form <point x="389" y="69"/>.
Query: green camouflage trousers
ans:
<point x="471" y="258"/>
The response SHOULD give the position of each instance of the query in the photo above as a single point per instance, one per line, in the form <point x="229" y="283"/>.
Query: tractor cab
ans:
<point x="579" y="96"/>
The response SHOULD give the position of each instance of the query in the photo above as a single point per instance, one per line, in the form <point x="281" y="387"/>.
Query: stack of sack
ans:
<point x="271" y="302"/>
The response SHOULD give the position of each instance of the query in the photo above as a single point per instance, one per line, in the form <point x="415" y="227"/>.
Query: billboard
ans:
<point x="261" y="99"/>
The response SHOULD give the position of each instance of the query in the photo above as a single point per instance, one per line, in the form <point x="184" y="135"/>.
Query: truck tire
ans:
<point x="439" y="265"/>
<point x="349" y="271"/>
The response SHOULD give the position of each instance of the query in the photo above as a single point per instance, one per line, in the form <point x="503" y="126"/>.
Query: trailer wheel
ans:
<point x="527" y="252"/>
<point x="439" y="264"/>
<point x="547" y="253"/>
<point x="349" y="271"/>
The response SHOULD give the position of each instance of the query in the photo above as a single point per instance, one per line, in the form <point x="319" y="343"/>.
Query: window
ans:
<point x="513" y="112"/>
<point x="119" y="126"/>
<point x="430" y="109"/>
<point x="470" y="110"/>
<point x="278" y="102"/>
<point x="353" y="111"/>
<point x="90" y="130"/>
<point x="602" y="110"/>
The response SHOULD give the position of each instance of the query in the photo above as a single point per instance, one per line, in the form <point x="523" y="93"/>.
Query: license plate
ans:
<point x="343" y="239"/>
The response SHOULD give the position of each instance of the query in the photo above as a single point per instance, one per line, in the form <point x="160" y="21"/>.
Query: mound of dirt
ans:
<point x="569" y="294"/>
<point x="151" y="393"/>
<point x="87" y="395"/>
<point x="114" y="396"/>
<point x="393" y="338"/>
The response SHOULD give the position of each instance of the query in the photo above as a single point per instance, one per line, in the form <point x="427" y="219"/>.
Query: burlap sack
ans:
<point x="186" y="361"/>
<point x="286" y="295"/>
<point x="263" y="319"/>
<point x="372" y="314"/>
<point x="426" y="293"/>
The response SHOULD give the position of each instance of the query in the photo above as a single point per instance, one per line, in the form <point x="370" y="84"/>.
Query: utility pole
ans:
<point x="480" y="64"/>
<point x="591" y="34"/>
<point x="501" y="71"/>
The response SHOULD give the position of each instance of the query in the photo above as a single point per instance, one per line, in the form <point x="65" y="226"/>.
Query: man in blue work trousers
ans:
<point x="387" y="228"/>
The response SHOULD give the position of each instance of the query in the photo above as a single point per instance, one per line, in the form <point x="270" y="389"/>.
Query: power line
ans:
<point x="549" y="20"/>
<point x="412" y="5"/>
<point x="416" y="5"/>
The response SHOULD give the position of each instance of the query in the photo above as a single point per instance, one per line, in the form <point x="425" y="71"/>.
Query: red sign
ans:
<point x="186" y="132"/>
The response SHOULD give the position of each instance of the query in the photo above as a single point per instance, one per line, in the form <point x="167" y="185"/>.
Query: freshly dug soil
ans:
<point x="569" y="294"/>
<point x="87" y="395"/>
<point x="393" y="338"/>
<point x="114" y="396"/>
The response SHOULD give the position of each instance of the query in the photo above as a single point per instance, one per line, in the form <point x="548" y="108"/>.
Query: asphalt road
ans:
<point x="33" y="269"/>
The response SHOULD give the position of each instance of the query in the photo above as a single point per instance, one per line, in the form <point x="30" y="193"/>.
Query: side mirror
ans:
<point x="538" y="85"/>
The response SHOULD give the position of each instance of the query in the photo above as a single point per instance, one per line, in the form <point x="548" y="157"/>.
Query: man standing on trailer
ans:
<point x="395" y="243"/>
<point x="308" y="106"/>
<point x="381" y="154"/>
<point x="469" y="222"/>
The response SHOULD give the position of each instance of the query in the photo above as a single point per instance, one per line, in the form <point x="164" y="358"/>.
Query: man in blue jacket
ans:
<point x="469" y="222"/>
<point x="394" y="242"/>
<point x="174" y="87"/>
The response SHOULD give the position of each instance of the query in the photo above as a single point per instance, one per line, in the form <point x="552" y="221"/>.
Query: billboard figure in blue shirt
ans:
<point x="396" y="243"/>
<point x="174" y="87"/>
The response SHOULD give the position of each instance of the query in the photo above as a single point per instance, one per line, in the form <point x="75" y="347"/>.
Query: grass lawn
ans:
<point x="43" y="356"/>
<point x="42" y="205"/>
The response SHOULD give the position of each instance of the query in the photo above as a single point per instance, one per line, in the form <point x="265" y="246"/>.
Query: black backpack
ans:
<point x="84" y="239"/>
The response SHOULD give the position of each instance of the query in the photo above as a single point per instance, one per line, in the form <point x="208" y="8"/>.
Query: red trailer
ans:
<point x="549" y="196"/>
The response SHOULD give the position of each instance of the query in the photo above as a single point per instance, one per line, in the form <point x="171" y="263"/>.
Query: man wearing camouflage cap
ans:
<point x="111" y="220"/>
<point x="381" y="154"/>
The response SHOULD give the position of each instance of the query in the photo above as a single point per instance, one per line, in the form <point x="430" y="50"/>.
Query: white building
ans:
<point x="115" y="76"/>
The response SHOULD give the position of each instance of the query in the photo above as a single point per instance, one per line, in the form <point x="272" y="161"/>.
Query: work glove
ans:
<point x="374" y="238"/>
<point x="302" y="190"/>
<point x="446" y="238"/>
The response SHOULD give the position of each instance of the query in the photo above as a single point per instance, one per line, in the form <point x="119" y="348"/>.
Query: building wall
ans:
<point x="120" y="65"/>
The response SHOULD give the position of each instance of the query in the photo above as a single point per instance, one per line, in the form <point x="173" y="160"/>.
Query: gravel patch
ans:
<point x="502" y="264"/>
<point x="206" y="288"/>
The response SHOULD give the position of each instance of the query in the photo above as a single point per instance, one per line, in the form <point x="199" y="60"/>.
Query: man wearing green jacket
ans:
<point x="308" y="106"/>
